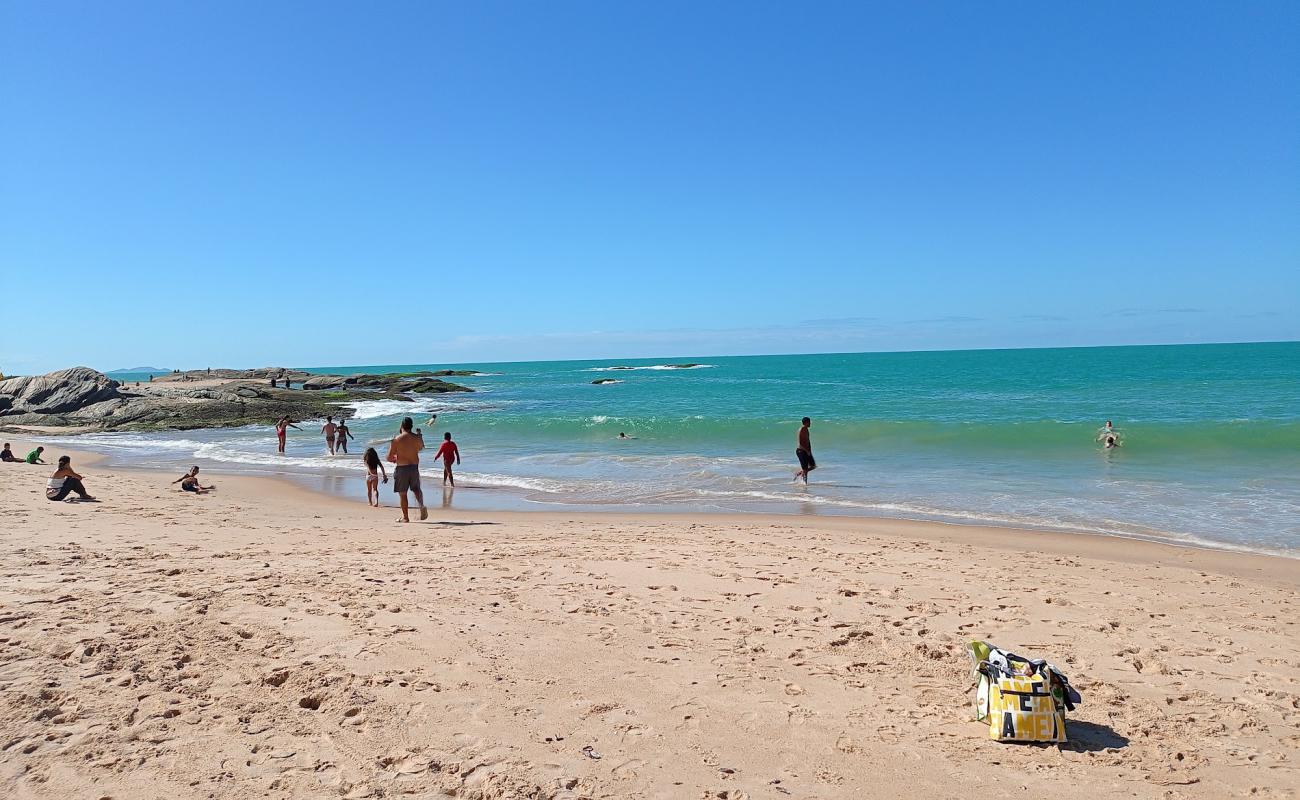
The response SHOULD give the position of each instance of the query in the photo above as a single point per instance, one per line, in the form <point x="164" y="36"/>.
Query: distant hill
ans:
<point x="137" y="369"/>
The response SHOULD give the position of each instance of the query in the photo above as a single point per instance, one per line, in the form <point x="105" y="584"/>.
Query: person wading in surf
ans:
<point x="803" y="452"/>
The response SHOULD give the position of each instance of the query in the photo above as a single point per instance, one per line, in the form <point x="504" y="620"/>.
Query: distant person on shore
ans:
<point x="448" y="452"/>
<point x="34" y="457"/>
<point x="190" y="482"/>
<point x="341" y="437"/>
<point x="374" y="468"/>
<point x="803" y="452"/>
<point x="8" y="456"/>
<point x="404" y="451"/>
<point x="329" y="429"/>
<point x="282" y="430"/>
<point x="64" y="481"/>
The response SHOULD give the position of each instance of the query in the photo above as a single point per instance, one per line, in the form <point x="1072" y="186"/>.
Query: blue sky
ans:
<point x="244" y="183"/>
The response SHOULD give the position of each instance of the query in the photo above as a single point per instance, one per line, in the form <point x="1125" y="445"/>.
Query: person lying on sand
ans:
<point x="34" y="457"/>
<point x="64" y="481"/>
<point x="190" y="482"/>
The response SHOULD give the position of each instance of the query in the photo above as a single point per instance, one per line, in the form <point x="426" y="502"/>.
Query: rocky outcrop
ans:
<point x="56" y="393"/>
<point x="396" y="383"/>
<point x="84" y="398"/>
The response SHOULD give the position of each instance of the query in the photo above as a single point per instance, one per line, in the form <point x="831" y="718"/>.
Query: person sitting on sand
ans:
<point x="8" y="455"/>
<point x="64" y="481"/>
<point x="190" y="482"/>
<point x="448" y="452"/>
<point x="330" y="430"/>
<point x="34" y="457"/>
<point x="282" y="430"/>
<point x="341" y="437"/>
<point x="404" y="451"/>
<point x="374" y="468"/>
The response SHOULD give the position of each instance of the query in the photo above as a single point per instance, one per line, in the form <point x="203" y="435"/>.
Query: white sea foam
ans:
<point x="417" y="406"/>
<point x="653" y="367"/>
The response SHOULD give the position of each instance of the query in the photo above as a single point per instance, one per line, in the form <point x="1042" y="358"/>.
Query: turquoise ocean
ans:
<point x="1210" y="433"/>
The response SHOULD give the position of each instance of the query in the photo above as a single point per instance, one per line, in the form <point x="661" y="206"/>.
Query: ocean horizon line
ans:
<point x="1130" y="345"/>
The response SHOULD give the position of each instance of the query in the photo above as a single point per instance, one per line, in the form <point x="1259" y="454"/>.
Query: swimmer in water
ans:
<point x="432" y="421"/>
<point x="1107" y="430"/>
<point x="623" y="435"/>
<point x="1111" y="441"/>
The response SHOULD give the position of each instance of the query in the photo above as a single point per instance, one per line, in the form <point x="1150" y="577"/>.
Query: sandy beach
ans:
<point x="264" y="641"/>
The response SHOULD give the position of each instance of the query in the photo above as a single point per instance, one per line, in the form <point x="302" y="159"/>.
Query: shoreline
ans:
<point x="1271" y="566"/>
<point x="268" y="641"/>
<point x="304" y="482"/>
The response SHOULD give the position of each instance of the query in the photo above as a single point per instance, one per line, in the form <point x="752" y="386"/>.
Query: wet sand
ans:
<point x="265" y="641"/>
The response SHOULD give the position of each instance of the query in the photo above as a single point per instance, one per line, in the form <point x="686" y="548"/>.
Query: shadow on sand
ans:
<point x="1089" y="737"/>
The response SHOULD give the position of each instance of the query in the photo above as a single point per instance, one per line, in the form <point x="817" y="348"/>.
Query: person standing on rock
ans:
<point x="329" y="429"/>
<point x="282" y="430"/>
<point x="404" y="451"/>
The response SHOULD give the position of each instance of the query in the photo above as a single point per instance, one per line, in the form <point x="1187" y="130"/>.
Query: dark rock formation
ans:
<point x="82" y="397"/>
<point x="56" y="393"/>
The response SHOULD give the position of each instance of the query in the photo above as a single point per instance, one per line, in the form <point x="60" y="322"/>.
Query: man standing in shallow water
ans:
<point x="329" y="428"/>
<point x="404" y="451"/>
<point x="803" y="452"/>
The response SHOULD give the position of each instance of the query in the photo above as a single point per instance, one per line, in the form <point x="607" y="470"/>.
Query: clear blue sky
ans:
<point x="244" y="183"/>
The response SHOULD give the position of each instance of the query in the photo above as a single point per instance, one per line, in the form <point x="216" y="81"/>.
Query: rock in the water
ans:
<point x="56" y="393"/>
<point x="326" y="382"/>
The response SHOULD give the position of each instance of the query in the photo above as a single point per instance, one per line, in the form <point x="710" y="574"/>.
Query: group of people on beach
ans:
<point x="403" y="453"/>
<point x="63" y="482"/>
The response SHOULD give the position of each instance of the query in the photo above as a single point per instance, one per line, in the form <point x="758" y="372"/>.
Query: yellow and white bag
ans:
<point x="1023" y="700"/>
<point x="1024" y="710"/>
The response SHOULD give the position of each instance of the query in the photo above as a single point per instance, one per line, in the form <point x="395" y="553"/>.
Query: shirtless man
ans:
<point x="448" y="452"/>
<point x="803" y="452"/>
<point x="404" y="451"/>
<point x="329" y="429"/>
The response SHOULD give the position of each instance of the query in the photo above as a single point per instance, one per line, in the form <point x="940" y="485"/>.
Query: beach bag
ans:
<point x="1023" y="700"/>
<point x="1024" y="710"/>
